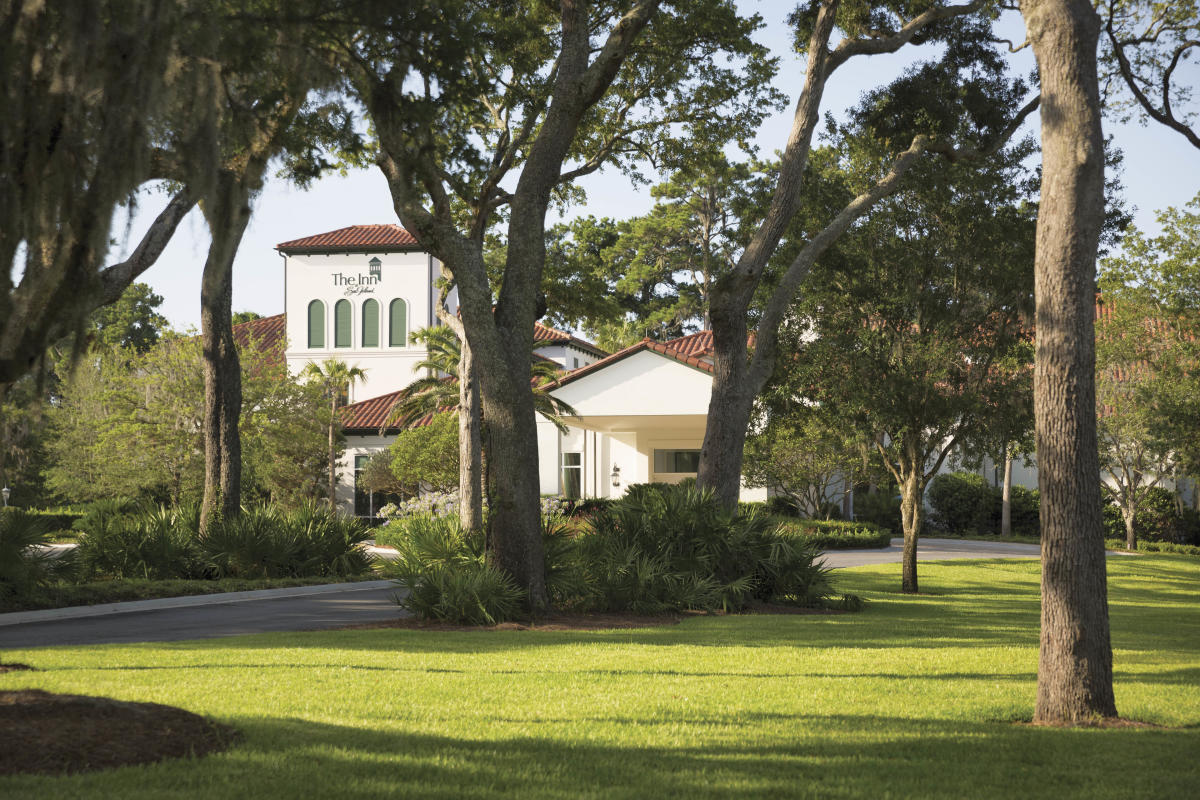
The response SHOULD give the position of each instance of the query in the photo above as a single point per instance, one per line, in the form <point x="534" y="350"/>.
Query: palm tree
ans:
<point x="438" y="390"/>
<point x="335" y="378"/>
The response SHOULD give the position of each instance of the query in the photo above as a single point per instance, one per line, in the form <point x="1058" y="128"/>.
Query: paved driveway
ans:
<point x="331" y="606"/>
<point x="932" y="550"/>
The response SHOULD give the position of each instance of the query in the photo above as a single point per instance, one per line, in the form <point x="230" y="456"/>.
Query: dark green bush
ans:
<point x="585" y="507"/>
<point x="444" y="571"/>
<point x="962" y="502"/>
<point x="965" y="503"/>
<point x="1157" y="519"/>
<point x="665" y="547"/>
<point x="55" y="519"/>
<point x="783" y="506"/>
<point x="836" y="534"/>
<point x="881" y="508"/>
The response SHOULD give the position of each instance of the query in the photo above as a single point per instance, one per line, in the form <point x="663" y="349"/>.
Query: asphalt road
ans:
<point x="351" y="606"/>
<point x="356" y="603"/>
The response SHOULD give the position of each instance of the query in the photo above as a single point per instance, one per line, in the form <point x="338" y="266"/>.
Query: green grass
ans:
<point x="914" y="697"/>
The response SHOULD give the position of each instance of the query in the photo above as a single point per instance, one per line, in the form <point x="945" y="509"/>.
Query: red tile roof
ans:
<point x="268" y="333"/>
<point x="355" y="237"/>
<point x="544" y="334"/>
<point x="369" y="416"/>
<point x="694" y="344"/>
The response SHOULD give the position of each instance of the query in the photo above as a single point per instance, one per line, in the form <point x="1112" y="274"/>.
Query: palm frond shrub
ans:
<point x="255" y="544"/>
<point x="328" y="544"/>
<point x="446" y="575"/>
<point x="664" y="547"/>
<point x="24" y="563"/>
<point x="152" y="543"/>
<point x="566" y="578"/>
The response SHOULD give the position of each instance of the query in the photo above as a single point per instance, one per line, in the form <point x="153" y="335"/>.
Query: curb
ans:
<point x="133" y="606"/>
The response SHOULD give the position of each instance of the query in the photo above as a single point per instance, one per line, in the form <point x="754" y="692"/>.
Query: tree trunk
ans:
<point x="847" y="497"/>
<point x="333" y="406"/>
<point x="1129" y="515"/>
<point x="729" y="406"/>
<point x="514" y="513"/>
<point x="470" y="446"/>
<point x="912" y="516"/>
<point x="227" y="214"/>
<point x="1006" y="496"/>
<point x="1075" y="665"/>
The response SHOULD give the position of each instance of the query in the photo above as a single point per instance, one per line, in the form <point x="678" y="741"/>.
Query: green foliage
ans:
<point x="120" y="541"/>
<point x="23" y="564"/>
<point x="662" y="548"/>
<point x="881" y="508"/>
<point x="311" y="540"/>
<point x="965" y="503"/>
<point x="152" y="544"/>
<point x="1158" y="519"/>
<point x="426" y="457"/>
<point x="132" y="323"/>
<point x="961" y="502"/>
<point x="445" y="573"/>
<point x="805" y="458"/>
<point x="836" y="534"/>
<point x="129" y="425"/>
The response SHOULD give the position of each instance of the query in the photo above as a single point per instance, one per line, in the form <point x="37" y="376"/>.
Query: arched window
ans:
<point x="316" y="324"/>
<point x="341" y="323"/>
<point x="398" y="323"/>
<point x="370" y="323"/>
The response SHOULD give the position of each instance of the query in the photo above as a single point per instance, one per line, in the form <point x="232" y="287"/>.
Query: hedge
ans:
<point x="836" y="534"/>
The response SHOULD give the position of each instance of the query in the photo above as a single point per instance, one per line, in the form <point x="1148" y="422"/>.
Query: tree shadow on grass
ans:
<point x="767" y="755"/>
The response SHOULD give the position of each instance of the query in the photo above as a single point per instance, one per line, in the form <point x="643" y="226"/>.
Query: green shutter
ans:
<point x="370" y="323"/>
<point x="316" y="324"/>
<point x="398" y="324"/>
<point x="341" y="324"/>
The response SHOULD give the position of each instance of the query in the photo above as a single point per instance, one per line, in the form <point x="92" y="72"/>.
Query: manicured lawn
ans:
<point x="914" y="697"/>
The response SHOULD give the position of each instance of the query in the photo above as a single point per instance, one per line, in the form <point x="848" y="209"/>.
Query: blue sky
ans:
<point x="1161" y="169"/>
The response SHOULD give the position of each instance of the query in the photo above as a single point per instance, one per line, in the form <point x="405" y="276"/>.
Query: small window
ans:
<point x="316" y="324"/>
<point x="572" y="475"/>
<point x="574" y="363"/>
<point x="370" y="323"/>
<point x="398" y="324"/>
<point x="341" y="324"/>
<point x="677" y="461"/>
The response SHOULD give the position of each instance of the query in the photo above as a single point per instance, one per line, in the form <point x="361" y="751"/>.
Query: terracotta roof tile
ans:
<point x="354" y="237"/>
<point x="269" y="333"/>
<point x="544" y="334"/>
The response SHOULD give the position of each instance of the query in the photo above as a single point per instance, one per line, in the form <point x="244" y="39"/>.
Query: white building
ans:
<point x="357" y="294"/>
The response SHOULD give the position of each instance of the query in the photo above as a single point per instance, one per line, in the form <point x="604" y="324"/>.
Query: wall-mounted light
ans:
<point x="616" y="475"/>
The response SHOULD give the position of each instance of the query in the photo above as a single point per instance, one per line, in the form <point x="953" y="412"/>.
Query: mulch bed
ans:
<point x="55" y="734"/>
<point x="564" y="621"/>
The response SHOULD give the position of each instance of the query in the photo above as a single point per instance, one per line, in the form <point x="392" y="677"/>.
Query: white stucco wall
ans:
<point x="338" y="276"/>
<point x="645" y="383"/>
<point x="355" y="446"/>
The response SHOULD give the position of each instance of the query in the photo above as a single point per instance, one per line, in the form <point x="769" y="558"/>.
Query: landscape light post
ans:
<point x="6" y="492"/>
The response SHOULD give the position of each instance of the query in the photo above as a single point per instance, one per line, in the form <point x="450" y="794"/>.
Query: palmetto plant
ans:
<point x="438" y="390"/>
<point x="335" y="377"/>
